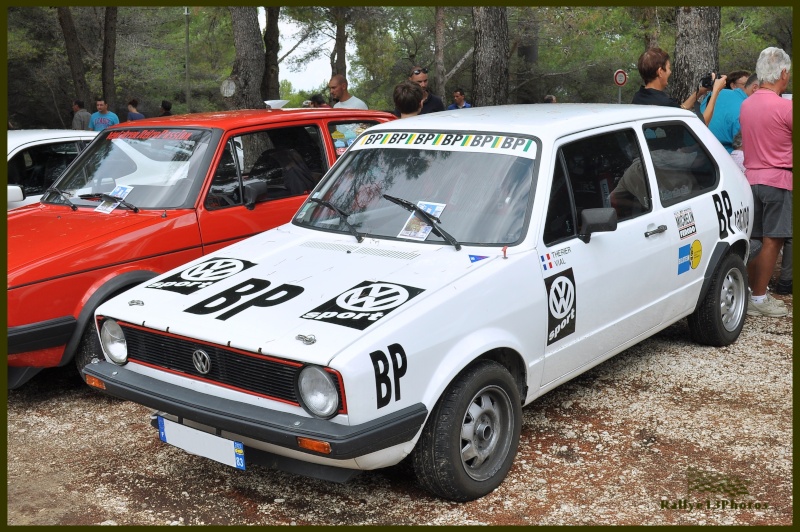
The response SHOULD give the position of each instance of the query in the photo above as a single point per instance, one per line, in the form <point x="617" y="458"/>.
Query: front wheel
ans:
<point x="470" y="440"/>
<point x="719" y="318"/>
<point x="88" y="349"/>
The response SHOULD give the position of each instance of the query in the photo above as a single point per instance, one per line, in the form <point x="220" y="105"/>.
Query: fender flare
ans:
<point x="117" y="284"/>
<point x="720" y="250"/>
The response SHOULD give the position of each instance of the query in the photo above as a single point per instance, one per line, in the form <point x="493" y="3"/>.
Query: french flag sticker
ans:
<point x="476" y="258"/>
<point x="546" y="264"/>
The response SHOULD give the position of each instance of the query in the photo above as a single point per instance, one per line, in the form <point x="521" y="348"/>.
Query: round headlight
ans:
<point x="318" y="392"/>
<point x="113" y="341"/>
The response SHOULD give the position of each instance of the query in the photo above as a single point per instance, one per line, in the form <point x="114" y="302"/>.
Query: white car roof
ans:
<point x="19" y="137"/>
<point x="545" y="121"/>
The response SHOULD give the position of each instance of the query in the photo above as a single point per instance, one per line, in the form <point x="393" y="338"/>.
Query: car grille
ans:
<point x="249" y="372"/>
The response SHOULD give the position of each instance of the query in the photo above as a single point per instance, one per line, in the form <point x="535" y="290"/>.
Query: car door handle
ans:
<point x="659" y="229"/>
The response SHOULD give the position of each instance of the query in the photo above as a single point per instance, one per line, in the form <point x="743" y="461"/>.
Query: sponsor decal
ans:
<point x="201" y="275"/>
<point x="685" y="220"/>
<point x="689" y="256"/>
<point x="561" y="305"/>
<point x="364" y="304"/>
<point x="722" y="204"/>
<point x="555" y="258"/>
<point x="476" y="258"/>
<point x="396" y="364"/>
<point x="141" y="134"/>
<point x="450" y="141"/>
<point x="233" y="300"/>
<point x="741" y="219"/>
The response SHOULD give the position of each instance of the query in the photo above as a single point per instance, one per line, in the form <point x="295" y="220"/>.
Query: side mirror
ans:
<point x="597" y="221"/>
<point x="252" y="191"/>
<point x="15" y="193"/>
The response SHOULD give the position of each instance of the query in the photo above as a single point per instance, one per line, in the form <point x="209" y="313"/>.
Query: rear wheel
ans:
<point x="471" y="437"/>
<point x="719" y="318"/>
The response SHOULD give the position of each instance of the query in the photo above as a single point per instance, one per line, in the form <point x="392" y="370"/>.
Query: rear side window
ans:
<point x="682" y="165"/>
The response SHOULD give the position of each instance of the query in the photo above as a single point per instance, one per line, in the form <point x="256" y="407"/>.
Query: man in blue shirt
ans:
<point x="459" y="99"/>
<point x="725" y="120"/>
<point x="103" y="117"/>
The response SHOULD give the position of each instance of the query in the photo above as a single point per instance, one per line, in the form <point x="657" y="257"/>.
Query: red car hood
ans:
<point x="47" y="241"/>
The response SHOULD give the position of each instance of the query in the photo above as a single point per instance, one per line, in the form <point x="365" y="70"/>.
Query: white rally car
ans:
<point x="447" y="271"/>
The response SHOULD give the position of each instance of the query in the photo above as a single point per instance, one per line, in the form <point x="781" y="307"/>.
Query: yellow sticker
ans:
<point x="696" y="253"/>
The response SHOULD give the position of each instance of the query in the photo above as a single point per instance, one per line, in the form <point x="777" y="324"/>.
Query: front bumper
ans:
<point x="269" y="426"/>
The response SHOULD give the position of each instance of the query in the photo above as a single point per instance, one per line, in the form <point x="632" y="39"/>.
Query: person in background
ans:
<point x="655" y="68"/>
<point x="133" y="113"/>
<point x="459" y="100"/>
<point x="766" y="120"/>
<point x="784" y="284"/>
<point x="549" y="99"/>
<point x="737" y="154"/>
<point x="166" y="108"/>
<point x="318" y="102"/>
<point x="408" y="97"/>
<point x="725" y="122"/>
<point x="431" y="103"/>
<point x="737" y="79"/>
<point x="80" y="117"/>
<point x="103" y="118"/>
<point x="344" y="100"/>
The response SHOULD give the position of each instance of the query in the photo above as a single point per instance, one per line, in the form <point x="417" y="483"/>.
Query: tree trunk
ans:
<point x="270" y="84"/>
<point x="436" y="84"/>
<point x="109" y="50"/>
<point x="248" y="67"/>
<point x="490" y="73"/>
<point x="338" y="62"/>
<point x="74" y="56"/>
<point x="696" y="49"/>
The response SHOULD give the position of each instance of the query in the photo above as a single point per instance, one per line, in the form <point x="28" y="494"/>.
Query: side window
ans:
<point x="37" y="168"/>
<point x="560" y="221"/>
<point x="344" y="133"/>
<point x="683" y="167"/>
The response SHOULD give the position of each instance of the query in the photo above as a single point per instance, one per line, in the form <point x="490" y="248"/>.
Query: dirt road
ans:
<point x="644" y="438"/>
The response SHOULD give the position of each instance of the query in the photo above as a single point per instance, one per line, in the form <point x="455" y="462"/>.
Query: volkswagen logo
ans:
<point x="372" y="298"/>
<point x="562" y="297"/>
<point x="201" y="361"/>
<point x="213" y="270"/>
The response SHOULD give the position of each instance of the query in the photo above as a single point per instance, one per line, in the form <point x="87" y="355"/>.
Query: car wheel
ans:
<point x="719" y="318"/>
<point x="471" y="437"/>
<point x="88" y="349"/>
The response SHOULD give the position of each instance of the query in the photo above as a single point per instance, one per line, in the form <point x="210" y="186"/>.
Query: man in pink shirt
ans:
<point x="766" y="121"/>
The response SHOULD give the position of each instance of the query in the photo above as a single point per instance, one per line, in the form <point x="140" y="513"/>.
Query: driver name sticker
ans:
<point x="416" y="228"/>
<point x="364" y="304"/>
<point x="107" y="205"/>
<point x="202" y="275"/>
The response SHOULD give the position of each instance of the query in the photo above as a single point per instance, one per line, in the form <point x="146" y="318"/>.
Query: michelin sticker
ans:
<point x="685" y="220"/>
<point x="364" y="304"/>
<point x="450" y="141"/>
<point x="201" y="275"/>
<point x="561" y="305"/>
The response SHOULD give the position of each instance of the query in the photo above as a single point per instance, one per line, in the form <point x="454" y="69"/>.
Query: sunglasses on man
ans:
<point x="419" y="71"/>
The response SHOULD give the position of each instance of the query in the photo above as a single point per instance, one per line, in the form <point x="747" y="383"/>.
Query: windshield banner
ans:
<point x="142" y="134"/>
<point x="451" y="142"/>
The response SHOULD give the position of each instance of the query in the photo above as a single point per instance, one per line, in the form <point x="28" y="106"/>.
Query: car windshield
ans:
<point x="472" y="196"/>
<point x="147" y="168"/>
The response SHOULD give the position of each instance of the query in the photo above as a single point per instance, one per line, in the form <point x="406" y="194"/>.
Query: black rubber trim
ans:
<point x="41" y="335"/>
<point x="720" y="250"/>
<point x="270" y="426"/>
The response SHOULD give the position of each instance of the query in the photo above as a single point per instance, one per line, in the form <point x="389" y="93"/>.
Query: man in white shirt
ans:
<point x="338" y="88"/>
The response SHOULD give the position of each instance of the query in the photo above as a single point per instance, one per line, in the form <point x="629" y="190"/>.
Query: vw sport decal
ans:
<point x="561" y="305"/>
<point x="201" y="275"/>
<point x="507" y="144"/>
<point x="364" y="304"/>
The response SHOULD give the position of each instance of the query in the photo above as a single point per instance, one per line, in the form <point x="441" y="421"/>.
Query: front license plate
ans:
<point x="201" y="443"/>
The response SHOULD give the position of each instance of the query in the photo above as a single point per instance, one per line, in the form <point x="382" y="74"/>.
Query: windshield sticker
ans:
<point x="108" y="205"/>
<point x="364" y="304"/>
<point x="561" y="305"/>
<point x="450" y="141"/>
<point x="685" y="220"/>
<point x="689" y="256"/>
<point x="201" y="275"/>
<point x="417" y="229"/>
<point x="144" y="134"/>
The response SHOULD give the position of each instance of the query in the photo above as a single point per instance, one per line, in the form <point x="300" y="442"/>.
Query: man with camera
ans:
<point x="655" y="68"/>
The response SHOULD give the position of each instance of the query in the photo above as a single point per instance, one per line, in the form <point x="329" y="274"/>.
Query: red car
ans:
<point x="145" y="198"/>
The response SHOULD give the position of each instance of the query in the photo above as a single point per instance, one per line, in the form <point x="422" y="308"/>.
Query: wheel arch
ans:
<point x="739" y="247"/>
<point x="107" y="290"/>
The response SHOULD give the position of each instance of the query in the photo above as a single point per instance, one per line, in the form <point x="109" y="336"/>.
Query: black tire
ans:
<point x="719" y="318"/>
<point x="459" y="459"/>
<point x="88" y="349"/>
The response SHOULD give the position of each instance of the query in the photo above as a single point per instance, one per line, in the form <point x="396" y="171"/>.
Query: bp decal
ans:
<point x="201" y="275"/>
<point x="561" y="305"/>
<point x="364" y="304"/>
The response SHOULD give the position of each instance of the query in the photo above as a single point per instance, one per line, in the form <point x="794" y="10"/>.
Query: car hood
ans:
<point x="46" y="241"/>
<point x="264" y="294"/>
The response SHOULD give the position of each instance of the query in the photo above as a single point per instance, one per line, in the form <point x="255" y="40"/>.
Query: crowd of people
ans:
<point x="748" y="115"/>
<point x="103" y="117"/>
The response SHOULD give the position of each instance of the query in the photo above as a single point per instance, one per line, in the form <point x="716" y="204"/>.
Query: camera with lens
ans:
<point x="707" y="81"/>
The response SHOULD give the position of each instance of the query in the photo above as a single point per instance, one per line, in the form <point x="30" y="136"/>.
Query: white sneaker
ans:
<point x="770" y="307"/>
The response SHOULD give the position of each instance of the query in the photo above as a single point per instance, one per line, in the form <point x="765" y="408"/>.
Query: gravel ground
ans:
<point x="625" y="443"/>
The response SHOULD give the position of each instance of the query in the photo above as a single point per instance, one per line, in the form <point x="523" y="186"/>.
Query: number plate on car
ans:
<point x="201" y="443"/>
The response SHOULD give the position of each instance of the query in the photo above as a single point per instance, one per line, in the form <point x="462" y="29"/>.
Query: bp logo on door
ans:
<point x="561" y="305"/>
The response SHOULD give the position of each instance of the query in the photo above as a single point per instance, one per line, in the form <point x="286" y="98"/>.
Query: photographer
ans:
<point x="655" y="69"/>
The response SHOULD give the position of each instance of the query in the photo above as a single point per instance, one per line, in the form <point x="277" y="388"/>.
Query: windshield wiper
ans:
<point x="343" y="216"/>
<point x="427" y="217"/>
<point x="65" y="196"/>
<point x="109" y="197"/>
